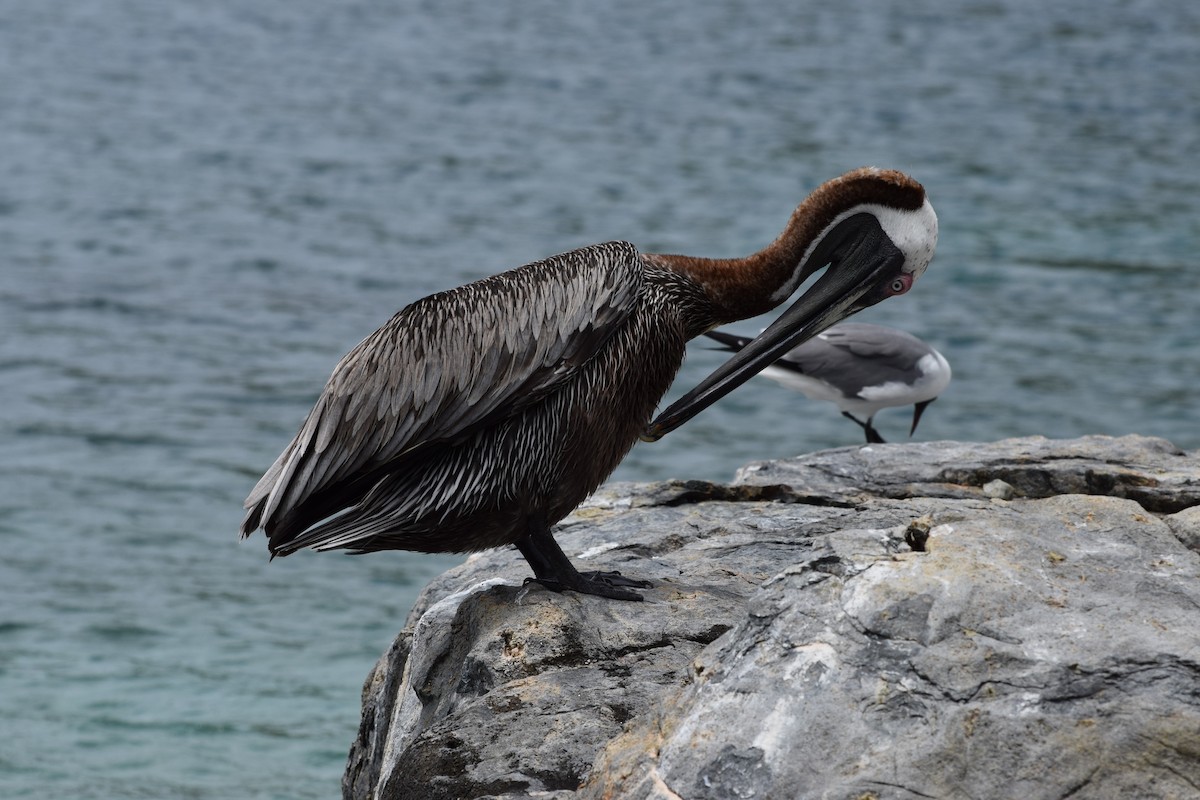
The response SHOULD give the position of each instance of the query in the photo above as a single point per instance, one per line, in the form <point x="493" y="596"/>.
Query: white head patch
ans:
<point x="914" y="232"/>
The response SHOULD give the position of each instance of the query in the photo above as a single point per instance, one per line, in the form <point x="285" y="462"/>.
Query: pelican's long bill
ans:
<point x="860" y="279"/>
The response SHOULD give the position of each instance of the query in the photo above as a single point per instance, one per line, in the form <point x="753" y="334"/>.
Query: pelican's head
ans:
<point x="873" y="231"/>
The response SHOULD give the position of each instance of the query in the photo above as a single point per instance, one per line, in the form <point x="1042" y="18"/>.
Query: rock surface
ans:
<point x="1042" y="640"/>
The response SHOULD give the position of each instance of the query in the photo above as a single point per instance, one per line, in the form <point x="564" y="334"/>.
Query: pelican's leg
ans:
<point x="873" y="436"/>
<point x="554" y="570"/>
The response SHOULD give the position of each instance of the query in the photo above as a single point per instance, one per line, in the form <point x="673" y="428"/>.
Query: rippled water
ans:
<point x="204" y="204"/>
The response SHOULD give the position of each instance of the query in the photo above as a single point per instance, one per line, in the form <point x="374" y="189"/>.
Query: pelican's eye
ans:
<point x="900" y="284"/>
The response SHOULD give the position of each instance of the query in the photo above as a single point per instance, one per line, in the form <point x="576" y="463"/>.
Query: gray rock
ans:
<point x="998" y="489"/>
<point x="1152" y="472"/>
<point x="1186" y="526"/>
<point x="795" y="645"/>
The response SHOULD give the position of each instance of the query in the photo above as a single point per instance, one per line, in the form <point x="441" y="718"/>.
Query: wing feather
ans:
<point x="877" y="343"/>
<point x="854" y="356"/>
<point x="446" y="365"/>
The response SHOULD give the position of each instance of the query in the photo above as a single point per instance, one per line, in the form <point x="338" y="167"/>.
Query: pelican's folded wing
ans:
<point x="445" y="366"/>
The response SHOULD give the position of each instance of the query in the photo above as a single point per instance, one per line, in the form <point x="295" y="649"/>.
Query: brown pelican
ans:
<point x="480" y="416"/>
<point x="861" y="369"/>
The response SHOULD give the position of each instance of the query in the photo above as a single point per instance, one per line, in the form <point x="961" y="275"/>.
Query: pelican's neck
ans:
<point x="739" y="288"/>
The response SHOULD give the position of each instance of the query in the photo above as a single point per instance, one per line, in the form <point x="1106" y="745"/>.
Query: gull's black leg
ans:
<point x="554" y="570"/>
<point x="873" y="436"/>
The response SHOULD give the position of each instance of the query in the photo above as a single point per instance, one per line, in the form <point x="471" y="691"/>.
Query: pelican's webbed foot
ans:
<point x="552" y="569"/>
<point x="615" y="578"/>
<point x="603" y="584"/>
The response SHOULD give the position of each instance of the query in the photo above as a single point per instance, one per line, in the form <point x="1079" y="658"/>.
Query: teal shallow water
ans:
<point x="203" y="205"/>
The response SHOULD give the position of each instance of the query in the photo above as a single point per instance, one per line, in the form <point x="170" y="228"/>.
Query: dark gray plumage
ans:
<point x="482" y="415"/>
<point x="472" y="388"/>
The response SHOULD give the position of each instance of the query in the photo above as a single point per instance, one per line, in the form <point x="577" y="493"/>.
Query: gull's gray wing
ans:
<point x="854" y="355"/>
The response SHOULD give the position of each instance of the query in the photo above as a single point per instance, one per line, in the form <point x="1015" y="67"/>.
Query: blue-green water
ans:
<point x="204" y="203"/>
